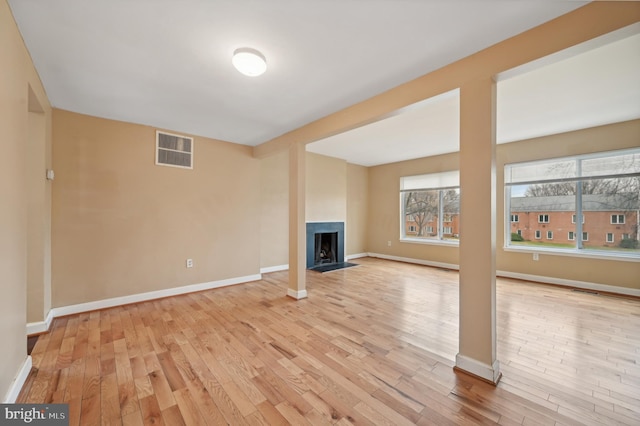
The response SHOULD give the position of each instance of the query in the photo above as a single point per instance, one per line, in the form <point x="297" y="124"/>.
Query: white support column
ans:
<point x="477" y="350"/>
<point x="297" y="222"/>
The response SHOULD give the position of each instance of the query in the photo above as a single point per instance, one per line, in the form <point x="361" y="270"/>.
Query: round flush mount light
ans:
<point x="249" y="61"/>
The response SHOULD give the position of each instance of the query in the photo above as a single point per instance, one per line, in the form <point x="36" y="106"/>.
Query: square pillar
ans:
<point x="477" y="340"/>
<point x="297" y="222"/>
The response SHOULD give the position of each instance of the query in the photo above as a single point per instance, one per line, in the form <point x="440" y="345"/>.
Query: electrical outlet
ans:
<point x="536" y="256"/>
<point x="189" y="263"/>
<point x="388" y="243"/>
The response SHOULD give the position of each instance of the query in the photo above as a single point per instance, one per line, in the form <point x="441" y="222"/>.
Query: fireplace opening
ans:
<point x="326" y="247"/>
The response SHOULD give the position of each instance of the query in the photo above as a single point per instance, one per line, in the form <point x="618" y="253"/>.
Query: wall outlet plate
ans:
<point x="189" y="263"/>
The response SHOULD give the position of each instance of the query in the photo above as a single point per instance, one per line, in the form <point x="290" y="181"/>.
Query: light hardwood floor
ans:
<point x="372" y="344"/>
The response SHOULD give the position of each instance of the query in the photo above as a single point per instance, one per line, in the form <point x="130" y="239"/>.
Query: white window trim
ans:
<point x="606" y="237"/>
<point x="569" y="235"/>
<point x="549" y="233"/>
<point x="618" y="217"/>
<point x="590" y="254"/>
<point x="537" y="234"/>
<point x="543" y="216"/>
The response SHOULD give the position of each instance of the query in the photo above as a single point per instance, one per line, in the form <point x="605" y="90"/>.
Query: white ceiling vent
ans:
<point x="174" y="150"/>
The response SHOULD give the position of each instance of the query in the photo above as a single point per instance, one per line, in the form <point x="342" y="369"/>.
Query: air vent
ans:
<point x="174" y="150"/>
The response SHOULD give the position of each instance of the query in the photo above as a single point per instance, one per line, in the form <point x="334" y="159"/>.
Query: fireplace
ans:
<point x="325" y="243"/>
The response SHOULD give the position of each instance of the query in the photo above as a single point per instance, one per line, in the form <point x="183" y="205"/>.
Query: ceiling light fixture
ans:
<point x="249" y="61"/>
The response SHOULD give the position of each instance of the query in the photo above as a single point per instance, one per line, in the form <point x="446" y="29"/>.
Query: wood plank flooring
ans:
<point x="372" y="344"/>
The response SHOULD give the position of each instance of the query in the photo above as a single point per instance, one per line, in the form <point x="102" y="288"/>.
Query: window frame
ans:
<point x="606" y="237"/>
<point x="522" y="180"/>
<point x="543" y="218"/>
<point x="618" y="217"/>
<point x="451" y="181"/>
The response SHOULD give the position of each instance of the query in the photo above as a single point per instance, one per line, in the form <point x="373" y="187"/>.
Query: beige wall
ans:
<point x="17" y="74"/>
<point x="384" y="208"/>
<point x="357" y="209"/>
<point x="335" y="192"/>
<point x="122" y="225"/>
<point x="326" y="189"/>
<point x="603" y="138"/>
<point x="274" y="207"/>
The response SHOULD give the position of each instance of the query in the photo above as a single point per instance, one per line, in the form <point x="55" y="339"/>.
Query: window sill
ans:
<point x="591" y="254"/>
<point x="451" y="243"/>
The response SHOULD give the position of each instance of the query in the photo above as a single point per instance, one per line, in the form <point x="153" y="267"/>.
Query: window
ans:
<point x="520" y="232"/>
<point x="573" y="219"/>
<point x="515" y="218"/>
<point x="428" y="201"/>
<point x="412" y="228"/>
<point x="602" y="187"/>
<point x="617" y="219"/>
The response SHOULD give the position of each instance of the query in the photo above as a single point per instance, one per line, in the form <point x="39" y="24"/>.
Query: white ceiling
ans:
<point x="167" y="63"/>
<point x="589" y="85"/>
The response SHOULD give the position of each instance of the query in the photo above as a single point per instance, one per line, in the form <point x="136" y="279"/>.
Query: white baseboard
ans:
<point x="571" y="283"/>
<point x="490" y="373"/>
<point x="18" y="382"/>
<point x="40" y="327"/>
<point x="276" y="268"/>
<point x="356" y="256"/>
<point x="416" y="261"/>
<point x="302" y="294"/>
<point x="143" y="297"/>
